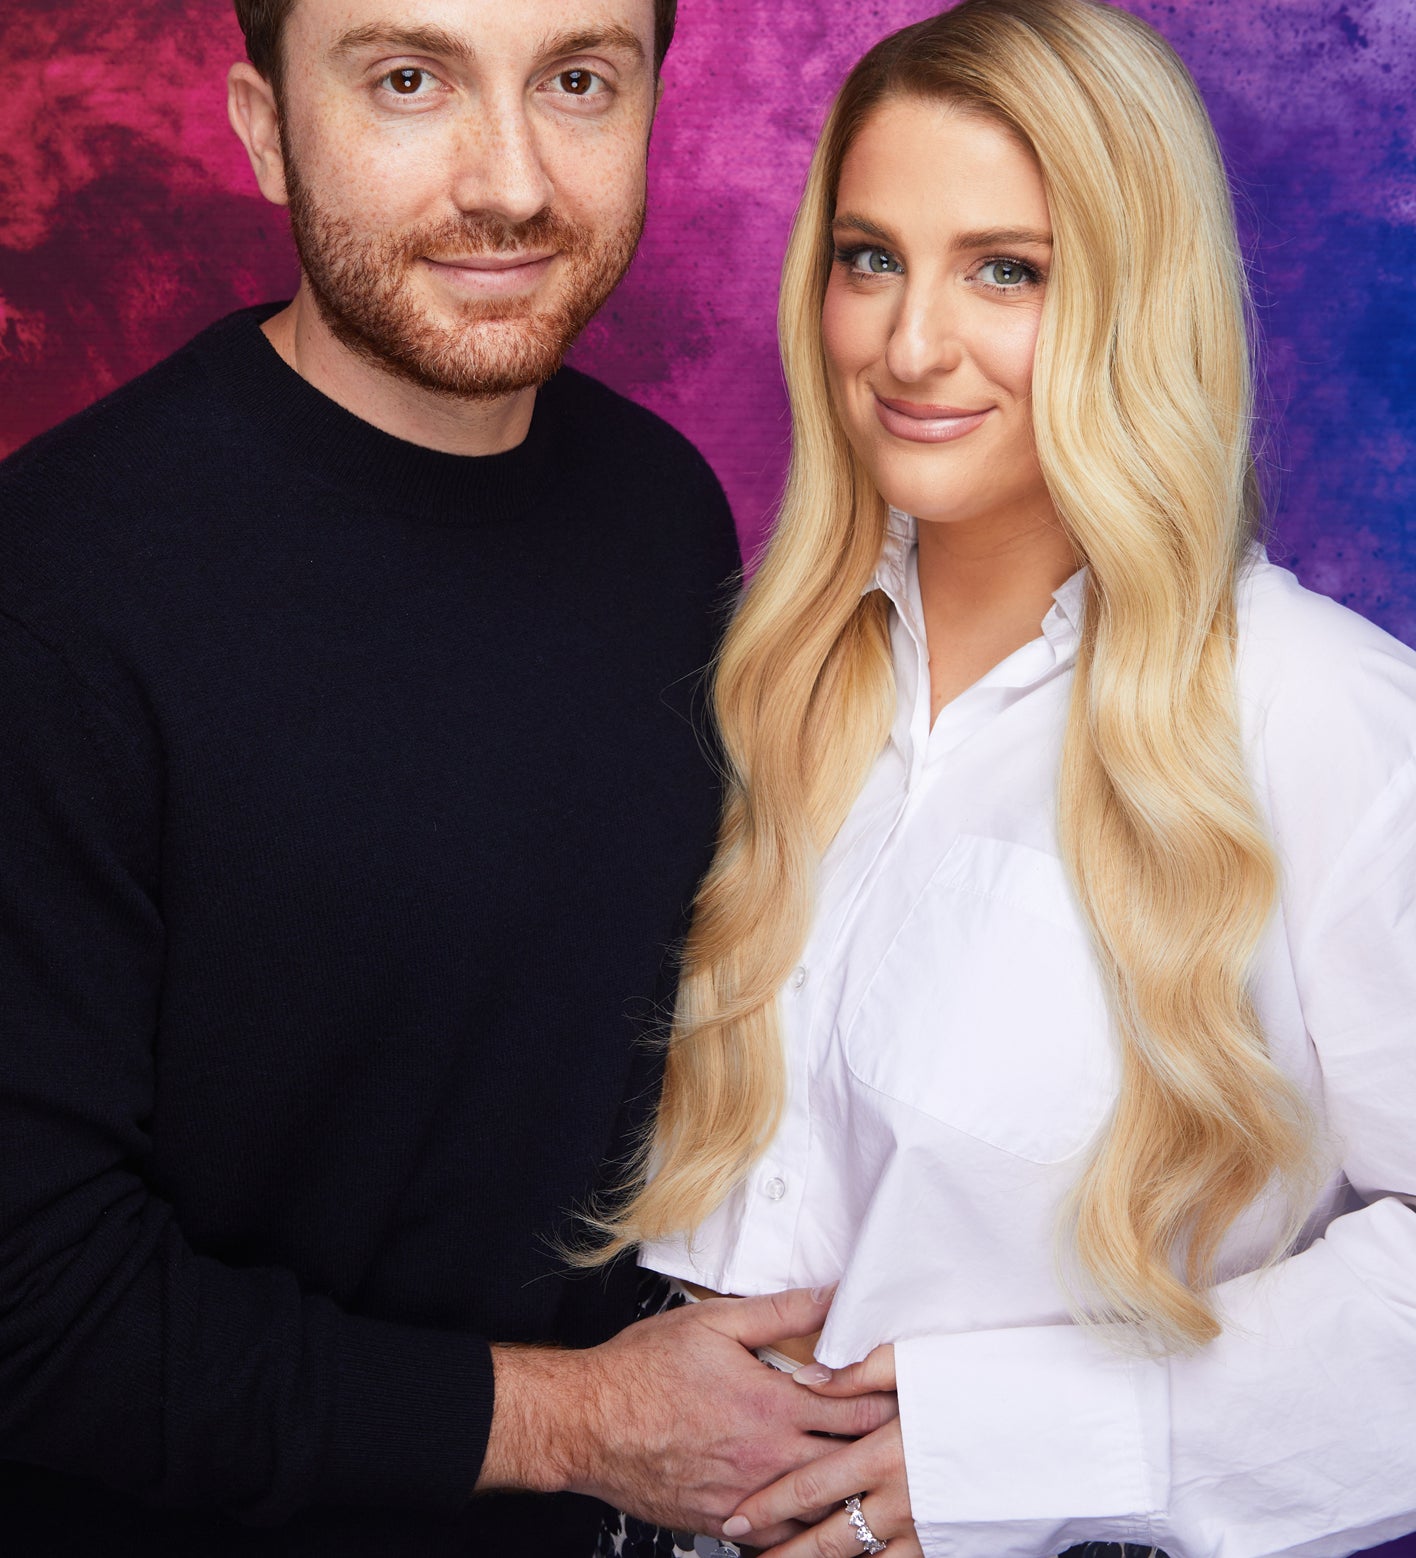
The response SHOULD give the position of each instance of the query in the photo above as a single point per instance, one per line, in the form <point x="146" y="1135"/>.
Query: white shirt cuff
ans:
<point x="1021" y="1442"/>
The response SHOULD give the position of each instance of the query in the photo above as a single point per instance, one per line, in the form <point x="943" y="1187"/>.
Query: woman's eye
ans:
<point x="580" y="83"/>
<point x="871" y="262"/>
<point x="408" y="81"/>
<point x="1007" y="274"/>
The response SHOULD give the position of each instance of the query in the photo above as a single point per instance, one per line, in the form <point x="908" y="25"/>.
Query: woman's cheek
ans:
<point x="847" y="330"/>
<point x="848" y="338"/>
<point x="1011" y="352"/>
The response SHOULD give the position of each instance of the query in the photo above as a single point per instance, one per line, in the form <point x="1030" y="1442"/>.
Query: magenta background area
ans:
<point x="129" y="220"/>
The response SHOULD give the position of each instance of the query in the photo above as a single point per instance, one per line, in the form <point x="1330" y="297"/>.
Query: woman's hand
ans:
<point x="873" y="1467"/>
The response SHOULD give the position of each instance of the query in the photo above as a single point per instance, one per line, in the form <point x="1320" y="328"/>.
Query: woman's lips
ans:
<point x="927" y="424"/>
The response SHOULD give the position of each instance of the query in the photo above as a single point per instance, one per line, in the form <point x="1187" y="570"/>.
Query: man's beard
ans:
<point x="484" y="348"/>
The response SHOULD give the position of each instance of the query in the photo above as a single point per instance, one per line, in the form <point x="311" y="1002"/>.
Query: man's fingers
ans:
<point x="849" y="1417"/>
<point x="877" y="1372"/>
<point x="774" y="1317"/>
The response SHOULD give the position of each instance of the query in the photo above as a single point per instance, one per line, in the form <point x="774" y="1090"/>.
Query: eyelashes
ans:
<point x="407" y="81"/>
<point x="850" y="256"/>
<point x="999" y="273"/>
<point x="418" y="84"/>
<point x="1027" y="277"/>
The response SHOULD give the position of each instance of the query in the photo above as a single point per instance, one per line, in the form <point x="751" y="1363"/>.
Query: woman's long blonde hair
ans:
<point x="1142" y="413"/>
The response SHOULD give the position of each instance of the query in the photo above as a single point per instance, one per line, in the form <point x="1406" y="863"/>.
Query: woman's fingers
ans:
<point x="874" y="1462"/>
<point x="848" y="1416"/>
<point x="835" y="1537"/>
<point x="876" y="1372"/>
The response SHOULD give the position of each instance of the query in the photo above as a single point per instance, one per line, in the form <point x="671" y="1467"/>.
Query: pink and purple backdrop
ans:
<point x="128" y="220"/>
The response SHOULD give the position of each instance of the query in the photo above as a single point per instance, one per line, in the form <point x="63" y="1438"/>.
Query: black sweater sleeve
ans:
<point x="125" y="1354"/>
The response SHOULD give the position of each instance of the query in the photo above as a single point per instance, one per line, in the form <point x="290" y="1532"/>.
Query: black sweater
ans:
<point x="351" y="795"/>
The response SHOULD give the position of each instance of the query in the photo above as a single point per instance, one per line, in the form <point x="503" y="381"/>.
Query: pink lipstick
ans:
<point x="922" y="424"/>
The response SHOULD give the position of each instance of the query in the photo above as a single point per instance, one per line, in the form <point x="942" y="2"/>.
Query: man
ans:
<point x="351" y="802"/>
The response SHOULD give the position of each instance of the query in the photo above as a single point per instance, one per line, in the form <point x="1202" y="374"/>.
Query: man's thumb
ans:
<point x="774" y="1317"/>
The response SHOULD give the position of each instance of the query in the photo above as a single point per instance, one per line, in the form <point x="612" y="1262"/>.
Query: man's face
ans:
<point x="466" y="177"/>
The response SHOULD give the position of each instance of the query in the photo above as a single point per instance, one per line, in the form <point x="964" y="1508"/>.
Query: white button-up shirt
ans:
<point x="950" y="1059"/>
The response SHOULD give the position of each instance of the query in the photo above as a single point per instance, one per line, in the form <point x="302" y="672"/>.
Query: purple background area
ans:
<point x="129" y="219"/>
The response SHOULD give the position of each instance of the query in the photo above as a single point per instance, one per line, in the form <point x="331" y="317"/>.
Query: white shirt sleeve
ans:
<point x="1295" y="1431"/>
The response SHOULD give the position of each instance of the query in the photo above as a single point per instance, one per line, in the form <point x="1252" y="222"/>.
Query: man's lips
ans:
<point x="922" y="424"/>
<point x="492" y="273"/>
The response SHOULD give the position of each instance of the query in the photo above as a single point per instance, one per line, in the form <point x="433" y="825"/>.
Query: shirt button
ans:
<point x="775" y="1189"/>
<point x="798" y="978"/>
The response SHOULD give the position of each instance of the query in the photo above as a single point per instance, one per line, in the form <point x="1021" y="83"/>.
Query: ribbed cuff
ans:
<point x="409" y="1417"/>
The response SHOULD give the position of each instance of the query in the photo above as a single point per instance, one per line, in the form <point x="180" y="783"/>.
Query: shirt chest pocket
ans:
<point x="986" y="1010"/>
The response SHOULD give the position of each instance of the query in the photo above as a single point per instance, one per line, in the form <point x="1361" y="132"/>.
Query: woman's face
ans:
<point x="930" y="320"/>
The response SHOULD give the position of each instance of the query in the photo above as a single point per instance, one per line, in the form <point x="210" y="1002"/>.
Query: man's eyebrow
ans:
<point x="402" y="38"/>
<point x="591" y="40"/>
<point x="414" y="38"/>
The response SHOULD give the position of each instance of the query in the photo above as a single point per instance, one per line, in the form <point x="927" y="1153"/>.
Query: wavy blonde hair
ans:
<point x="1142" y="413"/>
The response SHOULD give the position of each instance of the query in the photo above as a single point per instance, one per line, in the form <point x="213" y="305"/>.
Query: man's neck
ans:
<point x="394" y="405"/>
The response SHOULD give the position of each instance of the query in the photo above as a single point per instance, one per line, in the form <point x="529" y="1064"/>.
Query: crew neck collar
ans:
<point x="376" y="468"/>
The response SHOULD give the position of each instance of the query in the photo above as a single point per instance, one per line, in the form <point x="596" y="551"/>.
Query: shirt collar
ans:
<point x="1061" y="627"/>
<point x="893" y="569"/>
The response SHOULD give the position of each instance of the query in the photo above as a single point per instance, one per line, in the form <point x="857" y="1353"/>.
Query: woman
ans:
<point x="1054" y="987"/>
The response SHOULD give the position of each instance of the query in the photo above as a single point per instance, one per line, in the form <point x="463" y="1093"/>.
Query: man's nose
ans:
<point x="925" y="336"/>
<point x="499" y="167"/>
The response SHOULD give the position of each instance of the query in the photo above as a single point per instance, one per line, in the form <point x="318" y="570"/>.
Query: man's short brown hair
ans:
<point x="263" y="21"/>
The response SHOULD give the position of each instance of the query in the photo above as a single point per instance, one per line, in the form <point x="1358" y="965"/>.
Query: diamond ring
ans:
<point x="867" y="1538"/>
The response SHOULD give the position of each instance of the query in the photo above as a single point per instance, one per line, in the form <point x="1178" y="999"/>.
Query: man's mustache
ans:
<point x="483" y="234"/>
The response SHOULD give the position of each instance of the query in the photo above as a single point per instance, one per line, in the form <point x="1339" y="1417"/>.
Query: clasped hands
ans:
<point x="813" y="1496"/>
<point x="676" y="1421"/>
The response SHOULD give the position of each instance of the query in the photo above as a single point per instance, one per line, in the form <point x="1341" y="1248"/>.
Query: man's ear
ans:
<point x="252" y="110"/>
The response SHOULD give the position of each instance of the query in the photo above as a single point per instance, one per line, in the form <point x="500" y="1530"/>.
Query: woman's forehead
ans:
<point x="927" y="161"/>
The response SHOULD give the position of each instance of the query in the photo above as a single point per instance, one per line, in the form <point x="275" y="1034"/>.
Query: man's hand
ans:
<point x="873" y="1467"/>
<point x="674" y="1419"/>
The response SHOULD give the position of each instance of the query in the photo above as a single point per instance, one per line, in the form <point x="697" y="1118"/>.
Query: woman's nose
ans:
<point x="925" y="336"/>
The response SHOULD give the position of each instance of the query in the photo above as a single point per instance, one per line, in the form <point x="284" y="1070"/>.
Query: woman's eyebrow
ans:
<point x="863" y="225"/>
<point x="979" y="238"/>
<point x="1001" y="237"/>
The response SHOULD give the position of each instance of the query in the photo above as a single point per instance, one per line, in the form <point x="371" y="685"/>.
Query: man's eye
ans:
<point x="579" y="83"/>
<point x="408" y="81"/>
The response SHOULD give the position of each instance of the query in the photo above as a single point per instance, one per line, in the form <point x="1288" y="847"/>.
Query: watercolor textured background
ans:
<point x="129" y="220"/>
